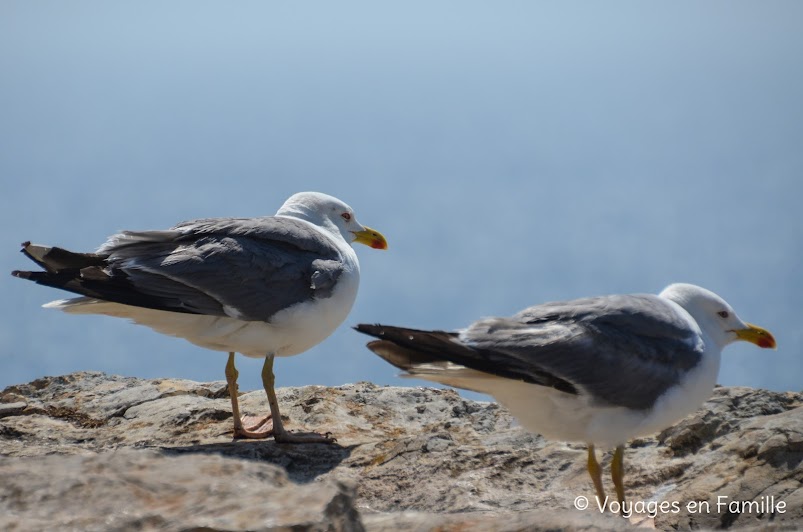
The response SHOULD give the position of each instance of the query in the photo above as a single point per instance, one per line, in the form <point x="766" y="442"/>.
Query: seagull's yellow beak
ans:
<point x="756" y="335"/>
<point x="371" y="238"/>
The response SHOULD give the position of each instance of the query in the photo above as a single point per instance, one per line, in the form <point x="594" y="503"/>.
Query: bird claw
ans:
<point x="261" y="430"/>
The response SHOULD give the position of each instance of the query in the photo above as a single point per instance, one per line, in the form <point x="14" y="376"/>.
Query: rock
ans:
<point x="747" y="463"/>
<point x="12" y="409"/>
<point x="409" y="459"/>
<point x="144" y="489"/>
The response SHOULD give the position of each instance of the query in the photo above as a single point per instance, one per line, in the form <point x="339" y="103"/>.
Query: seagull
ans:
<point x="598" y="370"/>
<point x="265" y="287"/>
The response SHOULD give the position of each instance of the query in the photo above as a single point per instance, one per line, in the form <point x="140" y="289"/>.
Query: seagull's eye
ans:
<point x="346" y="216"/>
<point x="723" y="314"/>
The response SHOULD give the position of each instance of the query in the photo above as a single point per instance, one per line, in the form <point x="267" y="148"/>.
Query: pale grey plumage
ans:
<point x="249" y="268"/>
<point x="621" y="350"/>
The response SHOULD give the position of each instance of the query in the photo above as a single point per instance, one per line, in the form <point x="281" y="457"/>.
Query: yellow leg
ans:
<point x="279" y="433"/>
<point x="618" y="473"/>
<point x="268" y="382"/>
<point x="595" y="471"/>
<point x="239" y="430"/>
<point x="231" y="380"/>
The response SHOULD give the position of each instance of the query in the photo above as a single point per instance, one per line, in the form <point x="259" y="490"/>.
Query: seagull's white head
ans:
<point x="716" y="317"/>
<point x="334" y="215"/>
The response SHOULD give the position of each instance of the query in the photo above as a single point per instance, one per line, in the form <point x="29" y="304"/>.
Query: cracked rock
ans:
<point x="89" y="451"/>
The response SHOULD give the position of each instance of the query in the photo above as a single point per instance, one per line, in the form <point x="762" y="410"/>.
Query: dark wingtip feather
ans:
<point x="55" y="259"/>
<point x="372" y="330"/>
<point x="408" y="348"/>
<point x="402" y="357"/>
<point x="35" y="253"/>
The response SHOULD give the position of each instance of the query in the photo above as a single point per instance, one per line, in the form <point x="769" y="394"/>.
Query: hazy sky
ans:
<point x="512" y="153"/>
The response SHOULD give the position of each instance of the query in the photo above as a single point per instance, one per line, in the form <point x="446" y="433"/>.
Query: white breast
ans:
<point x="561" y="416"/>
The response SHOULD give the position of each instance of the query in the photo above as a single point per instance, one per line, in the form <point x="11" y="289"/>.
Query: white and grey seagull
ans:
<point x="265" y="287"/>
<point x="597" y="370"/>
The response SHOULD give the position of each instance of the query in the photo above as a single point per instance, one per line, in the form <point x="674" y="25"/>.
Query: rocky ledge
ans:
<point x="90" y="451"/>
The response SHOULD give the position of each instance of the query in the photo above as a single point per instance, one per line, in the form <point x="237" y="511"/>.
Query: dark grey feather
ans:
<point x="408" y="348"/>
<point x="620" y="350"/>
<point x="624" y="350"/>
<point x="248" y="268"/>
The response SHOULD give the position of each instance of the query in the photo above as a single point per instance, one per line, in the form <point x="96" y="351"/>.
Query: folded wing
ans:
<point x="244" y="268"/>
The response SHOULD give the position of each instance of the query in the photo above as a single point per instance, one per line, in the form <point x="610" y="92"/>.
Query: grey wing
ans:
<point x="620" y="350"/>
<point x="281" y="230"/>
<point x="244" y="268"/>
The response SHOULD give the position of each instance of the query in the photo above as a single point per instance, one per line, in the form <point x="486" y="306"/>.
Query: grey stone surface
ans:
<point x="406" y="459"/>
<point x="145" y="490"/>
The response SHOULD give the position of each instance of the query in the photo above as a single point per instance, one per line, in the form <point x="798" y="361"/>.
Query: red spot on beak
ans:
<point x="370" y="237"/>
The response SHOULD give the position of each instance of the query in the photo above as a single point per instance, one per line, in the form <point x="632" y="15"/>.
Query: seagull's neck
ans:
<point x="299" y="212"/>
<point x="713" y="333"/>
<point x="708" y="331"/>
